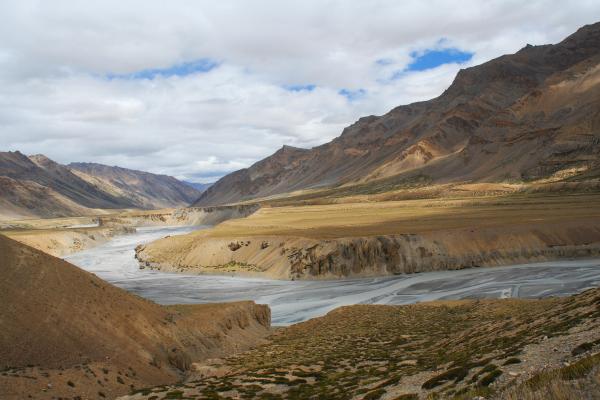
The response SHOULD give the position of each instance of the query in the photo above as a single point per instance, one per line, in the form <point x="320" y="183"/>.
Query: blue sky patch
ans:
<point x="183" y="69"/>
<point x="384" y="61"/>
<point x="434" y="58"/>
<point x="301" y="88"/>
<point x="352" y="94"/>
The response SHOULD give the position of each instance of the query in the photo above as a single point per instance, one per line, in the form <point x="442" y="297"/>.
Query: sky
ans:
<point x="198" y="89"/>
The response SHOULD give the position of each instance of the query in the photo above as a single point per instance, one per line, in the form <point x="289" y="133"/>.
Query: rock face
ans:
<point x="525" y="116"/>
<point x="39" y="187"/>
<point x="58" y="318"/>
<point x="180" y="216"/>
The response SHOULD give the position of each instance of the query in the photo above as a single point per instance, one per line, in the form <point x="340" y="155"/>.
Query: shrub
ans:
<point x="457" y="374"/>
<point x="582" y="348"/>
<point x="488" y="379"/>
<point x="408" y="396"/>
<point x="374" y="395"/>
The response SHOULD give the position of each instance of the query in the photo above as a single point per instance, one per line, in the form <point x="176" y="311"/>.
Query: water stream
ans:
<point x="295" y="301"/>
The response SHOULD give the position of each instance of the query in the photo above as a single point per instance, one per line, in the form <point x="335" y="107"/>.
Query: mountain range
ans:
<point x="523" y="117"/>
<point x="36" y="186"/>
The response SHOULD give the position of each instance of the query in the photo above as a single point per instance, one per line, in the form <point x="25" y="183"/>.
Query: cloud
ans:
<point x="197" y="89"/>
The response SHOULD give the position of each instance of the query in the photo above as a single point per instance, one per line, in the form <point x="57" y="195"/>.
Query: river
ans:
<point x="295" y="301"/>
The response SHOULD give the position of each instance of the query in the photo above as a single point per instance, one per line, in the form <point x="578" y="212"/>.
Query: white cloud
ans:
<point x="55" y="56"/>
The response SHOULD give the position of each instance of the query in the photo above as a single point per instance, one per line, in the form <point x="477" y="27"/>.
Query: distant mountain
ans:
<point x="201" y="187"/>
<point x="520" y="117"/>
<point x="145" y="190"/>
<point x="39" y="187"/>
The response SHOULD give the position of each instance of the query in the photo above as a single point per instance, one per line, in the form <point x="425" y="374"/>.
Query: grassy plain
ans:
<point x="412" y="216"/>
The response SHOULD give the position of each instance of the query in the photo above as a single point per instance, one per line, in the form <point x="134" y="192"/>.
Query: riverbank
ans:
<point x="63" y="242"/>
<point x="300" y="300"/>
<point x="387" y="238"/>
<point x="61" y="237"/>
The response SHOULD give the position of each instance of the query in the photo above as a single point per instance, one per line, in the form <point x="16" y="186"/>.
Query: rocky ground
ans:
<point x="461" y="350"/>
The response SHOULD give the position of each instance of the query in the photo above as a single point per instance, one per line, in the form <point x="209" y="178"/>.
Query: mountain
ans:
<point x="72" y="334"/>
<point x="201" y="187"/>
<point x="36" y="186"/>
<point x="145" y="190"/>
<point x="521" y="117"/>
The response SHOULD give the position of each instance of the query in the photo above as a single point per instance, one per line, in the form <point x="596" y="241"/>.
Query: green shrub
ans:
<point x="582" y="348"/>
<point x="457" y="374"/>
<point x="175" y="394"/>
<point x="408" y="396"/>
<point x="488" y="379"/>
<point x="374" y="395"/>
<point x="512" y="360"/>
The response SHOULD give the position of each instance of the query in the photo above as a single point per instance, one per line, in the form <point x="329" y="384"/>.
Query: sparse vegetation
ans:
<point x="368" y="351"/>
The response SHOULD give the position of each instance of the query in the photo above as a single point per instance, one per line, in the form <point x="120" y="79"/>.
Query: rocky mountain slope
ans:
<point x="201" y="187"/>
<point x="39" y="187"/>
<point x="520" y="117"/>
<point x="144" y="189"/>
<point x="67" y="333"/>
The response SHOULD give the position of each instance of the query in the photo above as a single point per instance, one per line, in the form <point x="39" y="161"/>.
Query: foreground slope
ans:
<point x="521" y="117"/>
<point x="67" y="333"/>
<point x="510" y="349"/>
<point x="36" y="186"/>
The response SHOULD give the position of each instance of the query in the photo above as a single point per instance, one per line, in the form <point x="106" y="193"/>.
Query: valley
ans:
<point x="449" y="248"/>
<point x="297" y="301"/>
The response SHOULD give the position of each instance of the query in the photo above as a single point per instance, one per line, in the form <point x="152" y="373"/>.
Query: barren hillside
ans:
<point x="67" y="333"/>
<point x="522" y="117"/>
<point x="39" y="187"/>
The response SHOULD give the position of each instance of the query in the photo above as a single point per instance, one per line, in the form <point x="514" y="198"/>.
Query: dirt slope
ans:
<point x="62" y="324"/>
<point x="520" y="117"/>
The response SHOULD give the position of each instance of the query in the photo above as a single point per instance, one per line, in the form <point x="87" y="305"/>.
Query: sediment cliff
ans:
<point x="288" y="257"/>
<point x="62" y="242"/>
<point x="180" y="216"/>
